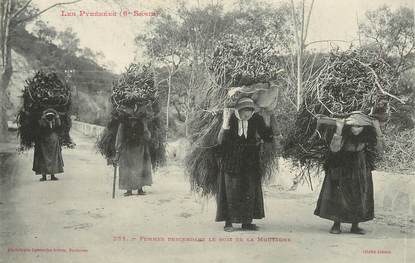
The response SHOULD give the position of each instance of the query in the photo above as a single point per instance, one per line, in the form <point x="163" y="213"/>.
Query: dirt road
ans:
<point x="75" y="220"/>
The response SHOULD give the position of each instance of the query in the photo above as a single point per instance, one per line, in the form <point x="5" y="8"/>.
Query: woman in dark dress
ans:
<point x="48" y="151"/>
<point x="240" y="198"/>
<point x="133" y="155"/>
<point x="347" y="192"/>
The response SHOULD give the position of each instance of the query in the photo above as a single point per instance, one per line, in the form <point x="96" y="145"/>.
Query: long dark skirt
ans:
<point x="240" y="197"/>
<point x="135" y="167"/>
<point x="47" y="158"/>
<point x="347" y="191"/>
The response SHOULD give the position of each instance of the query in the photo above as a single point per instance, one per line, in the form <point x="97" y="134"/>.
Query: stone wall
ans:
<point x="87" y="129"/>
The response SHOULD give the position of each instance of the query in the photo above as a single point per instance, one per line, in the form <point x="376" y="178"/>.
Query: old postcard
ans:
<point x="207" y="131"/>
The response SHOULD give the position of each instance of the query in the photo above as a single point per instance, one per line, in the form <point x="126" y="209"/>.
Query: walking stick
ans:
<point x="113" y="182"/>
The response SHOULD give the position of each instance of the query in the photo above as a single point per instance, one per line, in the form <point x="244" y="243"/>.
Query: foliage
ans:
<point x="393" y="33"/>
<point x="69" y="41"/>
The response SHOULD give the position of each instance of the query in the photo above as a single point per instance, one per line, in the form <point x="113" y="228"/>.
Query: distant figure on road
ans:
<point x="135" y="136"/>
<point x="240" y="198"/>
<point x="347" y="192"/>
<point x="48" y="152"/>
<point x="133" y="155"/>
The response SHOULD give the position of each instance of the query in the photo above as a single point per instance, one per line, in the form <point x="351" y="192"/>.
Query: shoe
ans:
<point x="335" y="230"/>
<point x="249" y="227"/>
<point x="228" y="228"/>
<point x="42" y="179"/>
<point x="53" y="178"/>
<point x="141" y="192"/>
<point x="128" y="193"/>
<point x="357" y="230"/>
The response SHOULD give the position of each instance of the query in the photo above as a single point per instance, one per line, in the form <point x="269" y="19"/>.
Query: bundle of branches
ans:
<point x="158" y="136"/>
<point x="134" y="95"/>
<point x="352" y="80"/>
<point x="202" y="160"/>
<point x="44" y="91"/>
<point x="238" y="61"/>
<point x="400" y="148"/>
<point x="135" y="87"/>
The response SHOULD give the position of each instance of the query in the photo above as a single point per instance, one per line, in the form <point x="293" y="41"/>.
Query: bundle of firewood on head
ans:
<point x="239" y="68"/>
<point x="134" y="95"/>
<point x="46" y="100"/>
<point x="350" y="81"/>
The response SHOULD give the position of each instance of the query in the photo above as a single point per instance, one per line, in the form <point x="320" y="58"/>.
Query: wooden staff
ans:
<point x="113" y="182"/>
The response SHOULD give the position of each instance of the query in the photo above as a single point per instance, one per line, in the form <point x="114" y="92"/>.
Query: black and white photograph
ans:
<point x="214" y="131"/>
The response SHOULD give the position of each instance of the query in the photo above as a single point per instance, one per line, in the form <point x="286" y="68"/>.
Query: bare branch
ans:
<point x="5" y="34"/>
<point x="308" y="20"/>
<point x="378" y="84"/>
<point x="302" y="22"/>
<point x="161" y="81"/>
<point x="297" y="37"/>
<point x="326" y="40"/>
<point x="21" y="9"/>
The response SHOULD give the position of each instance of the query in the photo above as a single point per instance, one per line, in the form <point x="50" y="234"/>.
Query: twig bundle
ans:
<point x="238" y="61"/>
<point x="44" y="91"/>
<point x="202" y="161"/>
<point x="134" y="87"/>
<point x="353" y="80"/>
<point x="399" y="147"/>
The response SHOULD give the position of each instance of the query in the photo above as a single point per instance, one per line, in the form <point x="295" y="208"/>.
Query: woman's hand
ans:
<point x="147" y="133"/>
<point x="266" y="115"/>
<point x="376" y="125"/>
<point x="116" y="159"/>
<point x="339" y="126"/>
<point x="227" y="113"/>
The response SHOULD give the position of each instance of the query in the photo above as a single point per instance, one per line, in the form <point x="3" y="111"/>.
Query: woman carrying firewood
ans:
<point x="48" y="152"/>
<point x="134" y="139"/>
<point x="132" y="155"/>
<point x="44" y="122"/>
<point x="347" y="192"/>
<point x="239" y="197"/>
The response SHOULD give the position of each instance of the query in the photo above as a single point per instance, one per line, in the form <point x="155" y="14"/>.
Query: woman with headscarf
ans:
<point x="47" y="157"/>
<point x="347" y="192"/>
<point x="133" y="155"/>
<point x="240" y="198"/>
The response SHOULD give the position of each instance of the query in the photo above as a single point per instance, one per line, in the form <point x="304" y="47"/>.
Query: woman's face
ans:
<point x="245" y="114"/>
<point x="356" y="130"/>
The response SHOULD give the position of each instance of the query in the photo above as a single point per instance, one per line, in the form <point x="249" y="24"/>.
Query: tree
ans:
<point x="69" y="41"/>
<point x="393" y="33"/>
<point x="166" y="44"/>
<point x="191" y="34"/>
<point x="13" y="14"/>
<point x="45" y="32"/>
<point x="202" y="26"/>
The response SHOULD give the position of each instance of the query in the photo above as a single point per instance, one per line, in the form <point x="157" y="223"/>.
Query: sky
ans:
<point x="114" y="36"/>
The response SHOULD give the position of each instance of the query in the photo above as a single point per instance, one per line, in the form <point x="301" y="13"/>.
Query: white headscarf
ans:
<point x="242" y="124"/>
